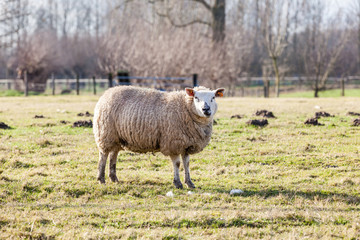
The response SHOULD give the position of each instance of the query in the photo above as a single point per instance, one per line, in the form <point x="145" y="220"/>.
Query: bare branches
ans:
<point x="322" y="44"/>
<point x="275" y="25"/>
<point x="175" y="24"/>
<point x="203" y="2"/>
<point x="168" y="15"/>
<point x="216" y="13"/>
<point x="171" y="37"/>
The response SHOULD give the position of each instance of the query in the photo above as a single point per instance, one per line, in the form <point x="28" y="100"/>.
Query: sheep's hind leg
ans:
<point x="101" y="167"/>
<point x="112" y="166"/>
<point x="186" y="160"/>
<point x="176" y="162"/>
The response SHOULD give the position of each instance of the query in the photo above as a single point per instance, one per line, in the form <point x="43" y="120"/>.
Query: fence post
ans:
<point x="26" y="84"/>
<point x="125" y="80"/>
<point x="110" y="80"/>
<point x="53" y="83"/>
<point x="265" y="91"/>
<point x="342" y="87"/>
<point x="195" y="80"/>
<point x="266" y="88"/>
<point x="94" y="84"/>
<point x="77" y="84"/>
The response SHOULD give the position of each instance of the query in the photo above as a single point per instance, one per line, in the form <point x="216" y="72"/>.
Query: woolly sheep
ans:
<point x="145" y="120"/>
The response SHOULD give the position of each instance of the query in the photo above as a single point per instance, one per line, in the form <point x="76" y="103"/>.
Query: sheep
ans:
<point x="143" y="120"/>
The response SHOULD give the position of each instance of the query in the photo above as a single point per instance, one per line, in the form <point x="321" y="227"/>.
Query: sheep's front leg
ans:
<point x="112" y="166"/>
<point x="176" y="162"/>
<point x="186" y="160"/>
<point x="101" y="167"/>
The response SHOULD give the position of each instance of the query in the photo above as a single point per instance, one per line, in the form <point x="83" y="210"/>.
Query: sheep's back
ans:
<point x="145" y="120"/>
<point x="136" y="115"/>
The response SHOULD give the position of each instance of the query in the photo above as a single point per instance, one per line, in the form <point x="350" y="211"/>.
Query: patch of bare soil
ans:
<point x="83" y="124"/>
<point x="323" y="114"/>
<point x="86" y="114"/>
<point x="258" y="122"/>
<point x="39" y="116"/>
<point x="4" y="126"/>
<point x="356" y="122"/>
<point x="264" y="113"/>
<point x="313" y="121"/>
<point x="236" y="116"/>
<point x="353" y="114"/>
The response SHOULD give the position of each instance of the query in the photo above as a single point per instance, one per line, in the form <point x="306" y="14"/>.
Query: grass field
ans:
<point x="299" y="181"/>
<point x="328" y="93"/>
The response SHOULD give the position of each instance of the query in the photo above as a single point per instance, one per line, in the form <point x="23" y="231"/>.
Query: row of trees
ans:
<point x="221" y="40"/>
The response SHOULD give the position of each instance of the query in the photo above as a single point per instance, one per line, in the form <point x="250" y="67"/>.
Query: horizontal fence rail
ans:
<point x="155" y="78"/>
<point x="245" y="86"/>
<point x="66" y="86"/>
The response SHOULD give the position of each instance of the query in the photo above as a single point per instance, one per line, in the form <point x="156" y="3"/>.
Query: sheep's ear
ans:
<point x="219" y="92"/>
<point x="190" y="92"/>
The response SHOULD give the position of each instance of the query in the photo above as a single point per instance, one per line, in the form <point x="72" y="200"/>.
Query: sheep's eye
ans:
<point x="197" y="99"/>
<point x="212" y="99"/>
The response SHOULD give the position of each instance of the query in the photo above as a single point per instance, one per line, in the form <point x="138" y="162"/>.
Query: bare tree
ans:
<point x="274" y="26"/>
<point x="354" y="13"/>
<point x="37" y="55"/>
<point x="222" y="41"/>
<point x="177" y="13"/>
<point x="322" y="44"/>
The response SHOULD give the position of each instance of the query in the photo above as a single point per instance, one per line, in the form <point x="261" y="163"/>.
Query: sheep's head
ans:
<point x="204" y="100"/>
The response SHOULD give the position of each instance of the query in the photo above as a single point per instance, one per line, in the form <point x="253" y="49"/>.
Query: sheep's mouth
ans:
<point x="207" y="113"/>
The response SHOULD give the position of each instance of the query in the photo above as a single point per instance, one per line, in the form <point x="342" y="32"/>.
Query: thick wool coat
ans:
<point x="145" y="120"/>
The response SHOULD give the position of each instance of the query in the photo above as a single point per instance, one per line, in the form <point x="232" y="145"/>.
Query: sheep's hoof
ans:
<point x="178" y="184"/>
<point x="114" y="178"/>
<point x="190" y="184"/>
<point x="101" y="180"/>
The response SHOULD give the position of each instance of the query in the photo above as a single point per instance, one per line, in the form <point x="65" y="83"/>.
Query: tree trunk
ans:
<point x="316" y="93"/>
<point x="316" y="89"/>
<point x="277" y="77"/>
<point x="218" y="24"/>
<point x="358" y="45"/>
<point x="26" y="81"/>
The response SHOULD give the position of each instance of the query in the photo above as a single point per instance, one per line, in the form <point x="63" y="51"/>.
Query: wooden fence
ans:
<point x="244" y="87"/>
<point x="63" y="86"/>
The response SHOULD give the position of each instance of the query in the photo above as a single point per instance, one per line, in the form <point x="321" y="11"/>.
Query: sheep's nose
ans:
<point x="206" y="110"/>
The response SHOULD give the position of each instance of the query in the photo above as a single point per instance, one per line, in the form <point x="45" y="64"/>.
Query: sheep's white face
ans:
<point x="204" y="101"/>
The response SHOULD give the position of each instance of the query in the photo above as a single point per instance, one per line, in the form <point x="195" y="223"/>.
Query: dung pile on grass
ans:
<point x="4" y="126"/>
<point x="238" y="116"/>
<point x="356" y="122"/>
<point x="86" y="114"/>
<point x="313" y="121"/>
<point x="265" y="113"/>
<point x="83" y="124"/>
<point x="323" y="114"/>
<point x="258" y="122"/>
<point x="353" y="114"/>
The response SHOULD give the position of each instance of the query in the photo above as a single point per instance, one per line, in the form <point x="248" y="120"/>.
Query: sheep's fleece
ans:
<point x="146" y="120"/>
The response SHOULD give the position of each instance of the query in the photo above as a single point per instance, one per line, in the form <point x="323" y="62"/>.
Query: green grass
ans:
<point x="299" y="181"/>
<point x="327" y="93"/>
<point x="11" y="93"/>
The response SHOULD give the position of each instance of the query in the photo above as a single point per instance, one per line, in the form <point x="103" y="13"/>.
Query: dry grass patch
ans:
<point x="299" y="181"/>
